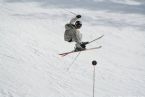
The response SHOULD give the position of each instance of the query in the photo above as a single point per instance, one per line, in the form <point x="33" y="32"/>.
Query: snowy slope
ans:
<point x="31" y="37"/>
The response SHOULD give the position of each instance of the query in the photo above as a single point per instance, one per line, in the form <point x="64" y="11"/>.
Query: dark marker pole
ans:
<point x="94" y="63"/>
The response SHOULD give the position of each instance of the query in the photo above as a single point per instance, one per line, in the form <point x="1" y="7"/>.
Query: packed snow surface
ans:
<point x="31" y="37"/>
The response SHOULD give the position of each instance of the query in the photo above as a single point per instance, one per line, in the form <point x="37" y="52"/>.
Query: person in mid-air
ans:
<point x="72" y="33"/>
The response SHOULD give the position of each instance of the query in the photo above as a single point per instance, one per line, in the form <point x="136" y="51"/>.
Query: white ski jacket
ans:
<point x="71" y="33"/>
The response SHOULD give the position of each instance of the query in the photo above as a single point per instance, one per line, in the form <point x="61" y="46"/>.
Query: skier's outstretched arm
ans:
<point x="73" y="20"/>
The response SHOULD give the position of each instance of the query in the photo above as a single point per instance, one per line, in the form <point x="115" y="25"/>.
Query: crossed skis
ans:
<point x="66" y="53"/>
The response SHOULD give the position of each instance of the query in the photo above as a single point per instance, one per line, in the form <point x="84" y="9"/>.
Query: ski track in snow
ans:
<point x="31" y="38"/>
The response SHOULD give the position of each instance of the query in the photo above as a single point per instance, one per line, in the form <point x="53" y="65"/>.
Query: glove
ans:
<point x="78" y="16"/>
<point x="83" y="44"/>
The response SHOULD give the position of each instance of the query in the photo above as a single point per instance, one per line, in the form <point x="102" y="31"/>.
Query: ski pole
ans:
<point x="73" y="61"/>
<point x="71" y="12"/>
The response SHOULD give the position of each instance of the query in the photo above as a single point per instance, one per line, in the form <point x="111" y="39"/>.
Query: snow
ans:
<point x="31" y="37"/>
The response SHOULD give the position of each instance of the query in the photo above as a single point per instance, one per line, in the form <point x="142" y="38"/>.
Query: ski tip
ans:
<point x="101" y="36"/>
<point x="99" y="46"/>
<point x="60" y="54"/>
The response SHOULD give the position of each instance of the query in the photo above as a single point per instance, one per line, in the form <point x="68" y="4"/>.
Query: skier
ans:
<point x="72" y="33"/>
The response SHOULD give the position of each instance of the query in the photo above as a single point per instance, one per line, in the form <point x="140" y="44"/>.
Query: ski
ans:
<point x="96" y="39"/>
<point x="66" y="53"/>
